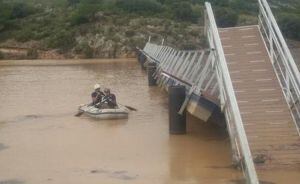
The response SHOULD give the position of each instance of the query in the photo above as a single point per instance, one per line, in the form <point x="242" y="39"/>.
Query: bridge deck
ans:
<point x="267" y="120"/>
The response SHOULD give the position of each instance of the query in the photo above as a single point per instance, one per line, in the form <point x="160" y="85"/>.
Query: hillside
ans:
<point x="112" y="28"/>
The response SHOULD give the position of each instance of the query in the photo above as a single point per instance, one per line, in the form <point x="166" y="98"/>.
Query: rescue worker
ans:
<point x="95" y="102"/>
<point x="109" y="99"/>
<point x="98" y="91"/>
<point x="97" y="96"/>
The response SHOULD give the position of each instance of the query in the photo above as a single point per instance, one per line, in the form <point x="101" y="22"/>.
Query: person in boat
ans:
<point x="109" y="100"/>
<point x="97" y="89"/>
<point x="97" y="96"/>
<point x="95" y="100"/>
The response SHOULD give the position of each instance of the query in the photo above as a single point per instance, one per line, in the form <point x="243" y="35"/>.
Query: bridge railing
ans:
<point x="192" y="68"/>
<point x="228" y="100"/>
<point x="282" y="60"/>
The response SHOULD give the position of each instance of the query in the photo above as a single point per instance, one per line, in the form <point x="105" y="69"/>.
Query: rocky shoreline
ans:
<point x="16" y="53"/>
<point x="12" y="50"/>
<point x="105" y="39"/>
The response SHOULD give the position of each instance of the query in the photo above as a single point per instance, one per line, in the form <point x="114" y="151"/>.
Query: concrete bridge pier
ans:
<point x="177" y="122"/>
<point x="151" y="68"/>
<point x="141" y="59"/>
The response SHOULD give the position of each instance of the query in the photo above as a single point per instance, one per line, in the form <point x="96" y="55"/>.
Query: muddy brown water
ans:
<point x="42" y="142"/>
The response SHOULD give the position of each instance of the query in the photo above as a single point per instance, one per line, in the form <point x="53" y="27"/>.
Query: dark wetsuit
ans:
<point x="110" y="100"/>
<point x="99" y="96"/>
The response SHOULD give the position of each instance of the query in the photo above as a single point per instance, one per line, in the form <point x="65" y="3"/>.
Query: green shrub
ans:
<point x="72" y="2"/>
<point x="12" y="10"/>
<point x="23" y="35"/>
<point x="139" y="6"/>
<point x="290" y="25"/>
<point x="220" y="2"/>
<point x="20" y="10"/>
<point x="129" y="33"/>
<point x="226" y="17"/>
<point x="64" y="40"/>
<point x="183" y="11"/>
<point x="78" y="19"/>
<point x="84" y="12"/>
<point x="197" y="10"/>
<point x="5" y="13"/>
<point x="242" y="6"/>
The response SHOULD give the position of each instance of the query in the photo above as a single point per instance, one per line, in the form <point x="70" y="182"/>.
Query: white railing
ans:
<point x="228" y="100"/>
<point x="282" y="60"/>
<point x="192" y="69"/>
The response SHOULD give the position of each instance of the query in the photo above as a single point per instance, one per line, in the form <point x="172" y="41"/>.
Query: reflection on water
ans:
<point x="45" y="143"/>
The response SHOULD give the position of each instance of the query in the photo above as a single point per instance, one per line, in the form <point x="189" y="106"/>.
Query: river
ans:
<point x="41" y="141"/>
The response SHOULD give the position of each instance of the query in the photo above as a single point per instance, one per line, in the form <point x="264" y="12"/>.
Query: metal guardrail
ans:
<point x="228" y="100"/>
<point x="193" y="69"/>
<point x="282" y="60"/>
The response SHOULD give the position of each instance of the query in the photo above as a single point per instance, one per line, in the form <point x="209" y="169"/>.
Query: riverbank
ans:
<point x="62" y="62"/>
<point x="23" y="53"/>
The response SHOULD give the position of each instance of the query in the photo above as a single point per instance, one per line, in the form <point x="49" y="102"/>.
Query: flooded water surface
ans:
<point x="41" y="141"/>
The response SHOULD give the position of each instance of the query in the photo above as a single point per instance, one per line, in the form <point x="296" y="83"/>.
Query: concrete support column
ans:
<point x="151" y="71"/>
<point x="177" y="122"/>
<point x="142" y="60"/>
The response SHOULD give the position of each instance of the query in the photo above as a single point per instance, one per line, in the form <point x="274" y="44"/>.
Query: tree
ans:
<point x="5" y="12"/>
<point x="183" y="11"/>
<point x="19" y="10"/>
<point x="85" y="11"/>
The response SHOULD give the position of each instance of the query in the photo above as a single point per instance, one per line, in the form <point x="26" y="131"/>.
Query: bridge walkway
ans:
<point x="269" y="126"/>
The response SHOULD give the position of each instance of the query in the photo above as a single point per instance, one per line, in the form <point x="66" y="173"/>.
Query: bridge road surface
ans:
<point x="265" y="114"/>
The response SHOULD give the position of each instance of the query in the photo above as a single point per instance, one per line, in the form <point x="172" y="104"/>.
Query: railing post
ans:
<point x="205" y="23"/>
<point x="271" y="47"/>
<point x="288" y="94"/>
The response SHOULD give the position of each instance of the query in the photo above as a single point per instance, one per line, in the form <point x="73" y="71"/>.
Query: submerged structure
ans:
<point x="249" y="74"/>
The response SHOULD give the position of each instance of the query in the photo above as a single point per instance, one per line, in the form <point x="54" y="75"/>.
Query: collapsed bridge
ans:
<point x="250" y="75"/>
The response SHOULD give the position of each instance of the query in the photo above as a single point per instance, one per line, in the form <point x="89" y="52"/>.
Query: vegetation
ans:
<point x="80" y="26"/>
<point x="290" y="25"/>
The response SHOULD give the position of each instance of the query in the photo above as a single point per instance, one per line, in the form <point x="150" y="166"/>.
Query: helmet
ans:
<point x="97" y="86"/>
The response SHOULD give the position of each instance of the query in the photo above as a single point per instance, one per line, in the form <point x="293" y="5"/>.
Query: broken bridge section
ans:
<point x="269" y="126"/>
<point x="249" y="73"/>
